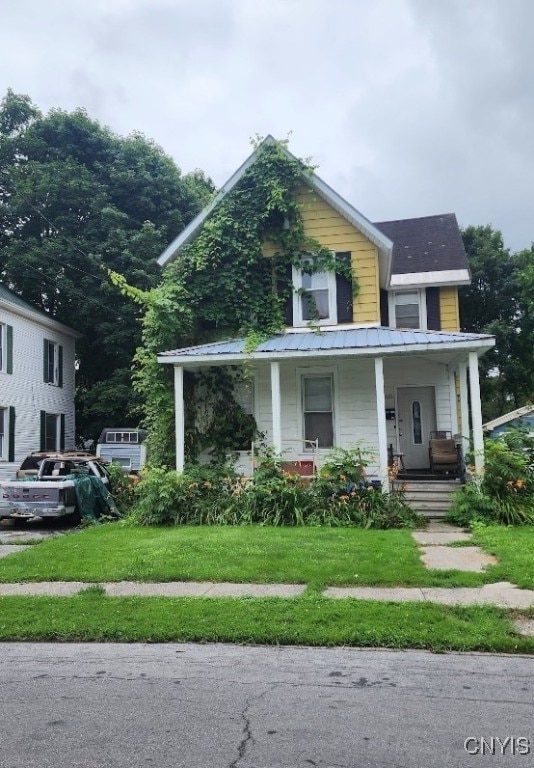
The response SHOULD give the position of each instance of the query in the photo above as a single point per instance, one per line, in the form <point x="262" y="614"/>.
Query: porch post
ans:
<point x="464" y="408"/>
<point x="276" y="406"/>
<point x="476" y="412"/>
<point x="179" y="422"/>
<point x="452" y="400"/>
<point x="381" y="418"/>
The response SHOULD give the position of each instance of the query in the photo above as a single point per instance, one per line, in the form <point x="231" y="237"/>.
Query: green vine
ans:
<point x="221" y="285"/>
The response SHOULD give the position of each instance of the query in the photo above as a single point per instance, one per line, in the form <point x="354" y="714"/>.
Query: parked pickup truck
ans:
<point x="52" y="492"/>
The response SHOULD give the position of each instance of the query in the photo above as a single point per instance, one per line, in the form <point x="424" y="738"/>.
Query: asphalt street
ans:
<point x="220" y="706"/>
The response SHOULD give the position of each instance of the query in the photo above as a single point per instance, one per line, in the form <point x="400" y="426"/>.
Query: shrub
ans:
<point x="505" y="491"/>
<point x="217" y="496"/>
<point x="122" y="488"/>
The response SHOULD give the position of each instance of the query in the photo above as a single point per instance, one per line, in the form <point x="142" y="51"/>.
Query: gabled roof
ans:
<point x="525" y="410"/>
<point x="372" y="232"/>
<point x="427" y="249"/>
<point x="16" y="304"/>
<point x="350" y="341"/>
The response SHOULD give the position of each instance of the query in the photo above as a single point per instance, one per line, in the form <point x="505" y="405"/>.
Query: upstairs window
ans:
<point x="320" y="298"/>
<point x="407" y="309"/>
<point x="315" y="298"/>
<point x="53" y="363"/>
<point x="6" y="348"/>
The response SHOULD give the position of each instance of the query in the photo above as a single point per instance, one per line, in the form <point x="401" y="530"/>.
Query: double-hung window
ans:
<point x="6" y="348"/>
<point x="315" y="297"/>
<point x="408" y="309"/>
<point x="318" y="409"/>
<point x="3" y="433"/>
<point x="53" y="363"/>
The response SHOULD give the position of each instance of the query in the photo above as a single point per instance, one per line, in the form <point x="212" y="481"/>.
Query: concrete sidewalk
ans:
<point x="502" y="594"/>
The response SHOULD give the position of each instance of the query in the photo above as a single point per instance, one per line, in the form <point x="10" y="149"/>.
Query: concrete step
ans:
<point x="430" y="498"/>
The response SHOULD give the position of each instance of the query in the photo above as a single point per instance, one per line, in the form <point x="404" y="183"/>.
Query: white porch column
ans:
<point x="179" y="421"/>
<point x="464" y="408"/>
<point x="476" y="412"/>
<point x="452" y="399"/>
<point x="381" y="418"/>
<point x="276" y="406"/>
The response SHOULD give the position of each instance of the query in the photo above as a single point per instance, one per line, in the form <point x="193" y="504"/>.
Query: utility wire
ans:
<point x="73" y="290"/>
<point x="59" y="232"/>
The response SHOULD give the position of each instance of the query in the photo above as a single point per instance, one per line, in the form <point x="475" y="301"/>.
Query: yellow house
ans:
<point x="388" y="367"/>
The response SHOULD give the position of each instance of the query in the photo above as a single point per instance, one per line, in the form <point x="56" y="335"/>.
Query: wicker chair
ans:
<point x="444" y="455"/>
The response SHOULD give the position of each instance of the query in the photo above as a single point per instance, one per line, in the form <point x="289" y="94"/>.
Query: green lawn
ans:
<point x="313" y="556"/>
<point x="308" y="620"/>
<point x="514" y="548"/>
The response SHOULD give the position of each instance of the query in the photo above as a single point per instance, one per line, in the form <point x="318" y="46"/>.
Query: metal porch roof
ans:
<point x="345" y="339"/>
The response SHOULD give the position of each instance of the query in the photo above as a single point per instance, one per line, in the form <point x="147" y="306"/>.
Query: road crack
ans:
<point x="248" y="739"/>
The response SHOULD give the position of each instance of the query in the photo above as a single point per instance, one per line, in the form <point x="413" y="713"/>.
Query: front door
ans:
<point x="416" y="419"/>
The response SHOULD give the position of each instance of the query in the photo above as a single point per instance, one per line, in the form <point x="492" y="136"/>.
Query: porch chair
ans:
<point x="443" y="453"/>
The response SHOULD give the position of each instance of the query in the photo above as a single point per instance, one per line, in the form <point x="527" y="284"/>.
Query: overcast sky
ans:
<point x="409" y="107"/>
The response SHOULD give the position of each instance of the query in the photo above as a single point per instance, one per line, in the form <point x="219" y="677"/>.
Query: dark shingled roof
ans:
<point x="426" y="244"/>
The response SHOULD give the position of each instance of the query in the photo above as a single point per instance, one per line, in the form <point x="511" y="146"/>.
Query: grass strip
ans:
<point x="309" y="620"/>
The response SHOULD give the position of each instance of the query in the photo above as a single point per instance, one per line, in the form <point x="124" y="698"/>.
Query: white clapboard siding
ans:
<point x="25" y="390"/>
<point x="355" y="414"/>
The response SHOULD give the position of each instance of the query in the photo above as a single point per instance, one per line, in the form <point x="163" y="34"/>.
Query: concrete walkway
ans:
<point x="436" y="553"/>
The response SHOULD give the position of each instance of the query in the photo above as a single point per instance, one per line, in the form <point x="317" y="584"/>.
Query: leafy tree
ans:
<point x="499" y="302"/>
<point x="74" y="198"/>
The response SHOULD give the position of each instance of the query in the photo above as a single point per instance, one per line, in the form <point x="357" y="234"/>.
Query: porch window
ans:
<point x="318" y="410"/>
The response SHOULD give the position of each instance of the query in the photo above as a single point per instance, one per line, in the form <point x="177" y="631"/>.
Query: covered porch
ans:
<point x="387" y="390"/>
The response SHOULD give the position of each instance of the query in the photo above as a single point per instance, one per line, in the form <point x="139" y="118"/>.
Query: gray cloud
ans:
<point x="410" y="107"/>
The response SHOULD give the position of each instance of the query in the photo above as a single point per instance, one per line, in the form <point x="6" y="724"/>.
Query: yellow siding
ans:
<point x="449" y="309"/>
<point x="325" y="224"/>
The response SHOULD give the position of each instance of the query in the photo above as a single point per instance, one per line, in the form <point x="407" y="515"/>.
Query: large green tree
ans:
<point x="75" y="197"/>
<point x="500" y="301"/>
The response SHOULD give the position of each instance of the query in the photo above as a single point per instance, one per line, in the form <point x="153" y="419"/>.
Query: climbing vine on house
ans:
<point x="220" y="286"/>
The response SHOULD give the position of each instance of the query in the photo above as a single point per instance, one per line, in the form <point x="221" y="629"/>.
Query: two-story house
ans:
<point x="388" y="367"/>
<point x="37" y="367"/>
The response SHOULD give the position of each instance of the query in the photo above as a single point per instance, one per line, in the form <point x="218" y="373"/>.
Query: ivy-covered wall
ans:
<point x="220" y="286"/>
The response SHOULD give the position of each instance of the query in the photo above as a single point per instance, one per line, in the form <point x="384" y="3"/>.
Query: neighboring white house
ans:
<point x="36" y="382"/>
<point x="390" y="366"/>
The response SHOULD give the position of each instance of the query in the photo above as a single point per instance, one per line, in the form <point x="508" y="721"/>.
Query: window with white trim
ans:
<point x="3" y="346"/>
<point x="4" y="433"/>
<point x="314" y="299"/>
<point x="407" y="309"/>
<point x="318" y="409"/>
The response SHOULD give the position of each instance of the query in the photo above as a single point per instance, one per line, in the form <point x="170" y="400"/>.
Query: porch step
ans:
<point x="429" y="498"/>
